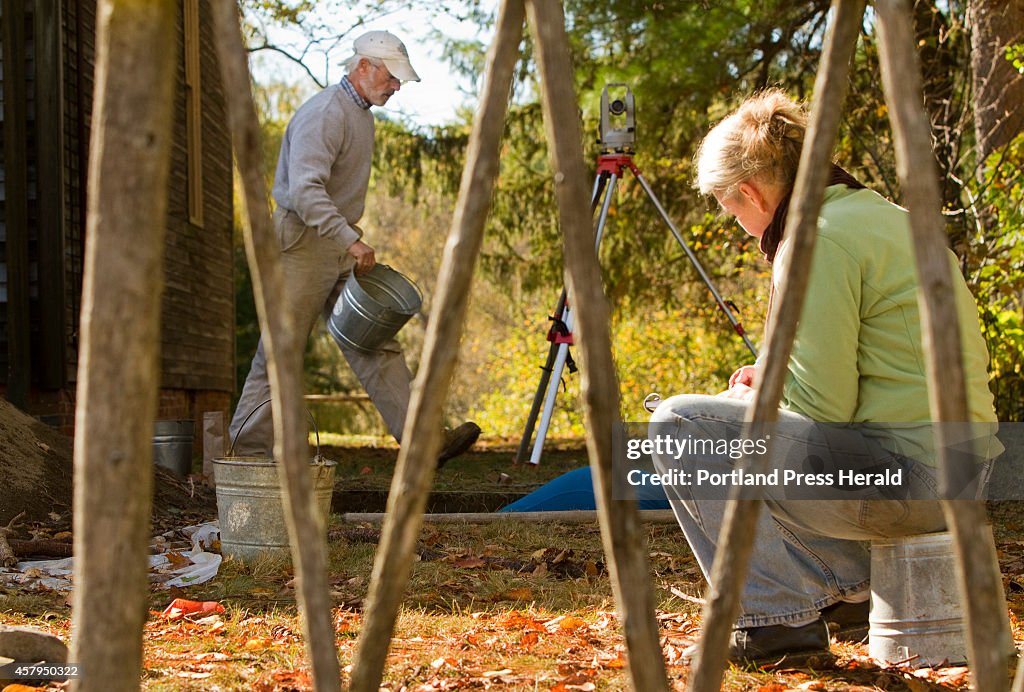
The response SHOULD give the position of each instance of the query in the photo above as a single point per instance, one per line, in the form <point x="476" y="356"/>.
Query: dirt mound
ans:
<point x="35" y="466"/>
<point x="36" y="469"/>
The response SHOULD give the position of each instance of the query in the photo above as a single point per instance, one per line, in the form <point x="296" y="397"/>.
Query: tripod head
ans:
<point x="618" y="112"/>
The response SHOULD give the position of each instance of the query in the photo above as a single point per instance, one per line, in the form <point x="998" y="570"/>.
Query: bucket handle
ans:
<point x="316" y="431"/>
<point x="415" y="286"/>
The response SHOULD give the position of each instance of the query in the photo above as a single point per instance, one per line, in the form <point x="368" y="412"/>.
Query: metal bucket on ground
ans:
<point x="250" y="506"/>
<point x="372" y="308"/>
<point x="172" y="445"/>
<point x="916" y="615"/>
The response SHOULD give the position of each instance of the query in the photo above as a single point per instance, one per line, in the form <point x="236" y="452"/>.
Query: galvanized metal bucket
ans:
<point x="250" y="506"/>
<point x="372" y="308"/>
<point x="172" y="445"/>
<point x="916" y="615"/>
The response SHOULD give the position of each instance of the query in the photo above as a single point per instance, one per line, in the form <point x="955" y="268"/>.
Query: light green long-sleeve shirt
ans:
<point x="858" y="355"/>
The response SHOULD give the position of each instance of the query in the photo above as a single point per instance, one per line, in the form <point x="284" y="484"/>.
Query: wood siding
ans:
<point x="198" y="305"/>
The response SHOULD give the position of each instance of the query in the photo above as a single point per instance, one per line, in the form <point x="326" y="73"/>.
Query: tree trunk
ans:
<point x="118" y="374"/>
<point x="998" y="88"/>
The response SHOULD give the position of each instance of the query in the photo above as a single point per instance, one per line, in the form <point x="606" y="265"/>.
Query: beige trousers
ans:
<point x="315" y="270"/>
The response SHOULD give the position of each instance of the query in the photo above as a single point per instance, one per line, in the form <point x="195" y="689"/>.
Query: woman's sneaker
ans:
<point x="771" y="643"/>
<point x="847" y="622"/>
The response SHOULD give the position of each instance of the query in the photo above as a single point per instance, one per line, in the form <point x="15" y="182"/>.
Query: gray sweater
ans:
<point x="323" y="170"/>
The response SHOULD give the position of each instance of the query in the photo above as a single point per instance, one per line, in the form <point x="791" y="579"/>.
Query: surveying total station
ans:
<point x="617" y="137"/>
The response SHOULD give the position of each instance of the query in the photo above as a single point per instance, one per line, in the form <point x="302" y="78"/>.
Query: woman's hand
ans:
<point x="744" y="375"/>
<point x="738" y="391"/>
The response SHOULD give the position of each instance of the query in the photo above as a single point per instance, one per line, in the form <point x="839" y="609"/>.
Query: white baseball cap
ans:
<point x="389" y="49"/>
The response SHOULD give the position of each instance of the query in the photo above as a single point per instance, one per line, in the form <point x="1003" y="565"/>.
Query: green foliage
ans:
<point x="667" y="351"/>
<point x="1015" y="54"/>
<point x="998" y="281"/>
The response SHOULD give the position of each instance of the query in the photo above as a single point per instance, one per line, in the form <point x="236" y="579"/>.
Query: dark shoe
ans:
<point x="774" y="643"/>
<point x="847" y="622"/>
<point x="458" y="441"/>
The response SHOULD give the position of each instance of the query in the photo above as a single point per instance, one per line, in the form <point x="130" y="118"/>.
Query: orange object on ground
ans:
<point x="180" y="607"/>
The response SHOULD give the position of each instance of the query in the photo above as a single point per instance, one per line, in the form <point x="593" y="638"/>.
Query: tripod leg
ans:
<point x="542" y="387"/>
<point x="696" y="264"/>
<point x="549" y="402"/>
<point x="601" y="184"/>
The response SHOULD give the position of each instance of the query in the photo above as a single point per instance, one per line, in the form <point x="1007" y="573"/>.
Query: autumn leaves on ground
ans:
<point x="510" y="605"/>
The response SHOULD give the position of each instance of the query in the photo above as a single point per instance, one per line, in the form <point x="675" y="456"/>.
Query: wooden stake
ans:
<point x="118" y="366"/>
<point x="733" y="556"/>
<point x="421" y="439"/>
<point x="980" y="583"/>
<point x="625" y="545"/>
<point x="283" y="344"/>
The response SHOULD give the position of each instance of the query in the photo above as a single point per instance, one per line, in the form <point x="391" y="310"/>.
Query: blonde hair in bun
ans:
<point x="761" y="139"/>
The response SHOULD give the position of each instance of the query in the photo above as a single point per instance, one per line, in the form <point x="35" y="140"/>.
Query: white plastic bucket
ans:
<point x="372" y="308"/>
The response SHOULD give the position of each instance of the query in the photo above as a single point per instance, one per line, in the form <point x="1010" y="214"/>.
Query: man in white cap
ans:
<point x="320" y="186"/>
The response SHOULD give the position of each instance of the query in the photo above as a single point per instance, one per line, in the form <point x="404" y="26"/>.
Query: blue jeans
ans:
<point x="807" y="553"/>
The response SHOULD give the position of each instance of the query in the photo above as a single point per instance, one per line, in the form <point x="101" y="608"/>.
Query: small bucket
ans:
<point x="250" y="506"/>
<point x="172" y="445"/>
<point x="372" y="308"/>
<point x="916" y="617"/>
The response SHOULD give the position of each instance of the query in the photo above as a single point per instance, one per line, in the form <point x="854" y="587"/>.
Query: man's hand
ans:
<point x="365" y="258"/>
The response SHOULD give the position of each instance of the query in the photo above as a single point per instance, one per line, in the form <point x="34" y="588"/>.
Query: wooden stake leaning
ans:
<point x="980" y="585"/>
<point x="283" y="345"/>
<point x="733" y="557"/>
<point x="623" y="538"/>
<point x="414" y="473"/>
<point x="129" y="163"/>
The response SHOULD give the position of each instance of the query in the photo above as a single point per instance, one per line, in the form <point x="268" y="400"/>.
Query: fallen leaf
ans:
<point x="523" y="593"/>
<point x="366" y="470"/>
<point x="571" y="622"/>
<point x="212" y="656"/>
<point x="257" y="644"/>
<point x="529" y="639"/>
<point x="189" y="675"/>
<point x="615" y="663"/>
<point x="177" y="560"/>
<point x="469" y="563"/>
